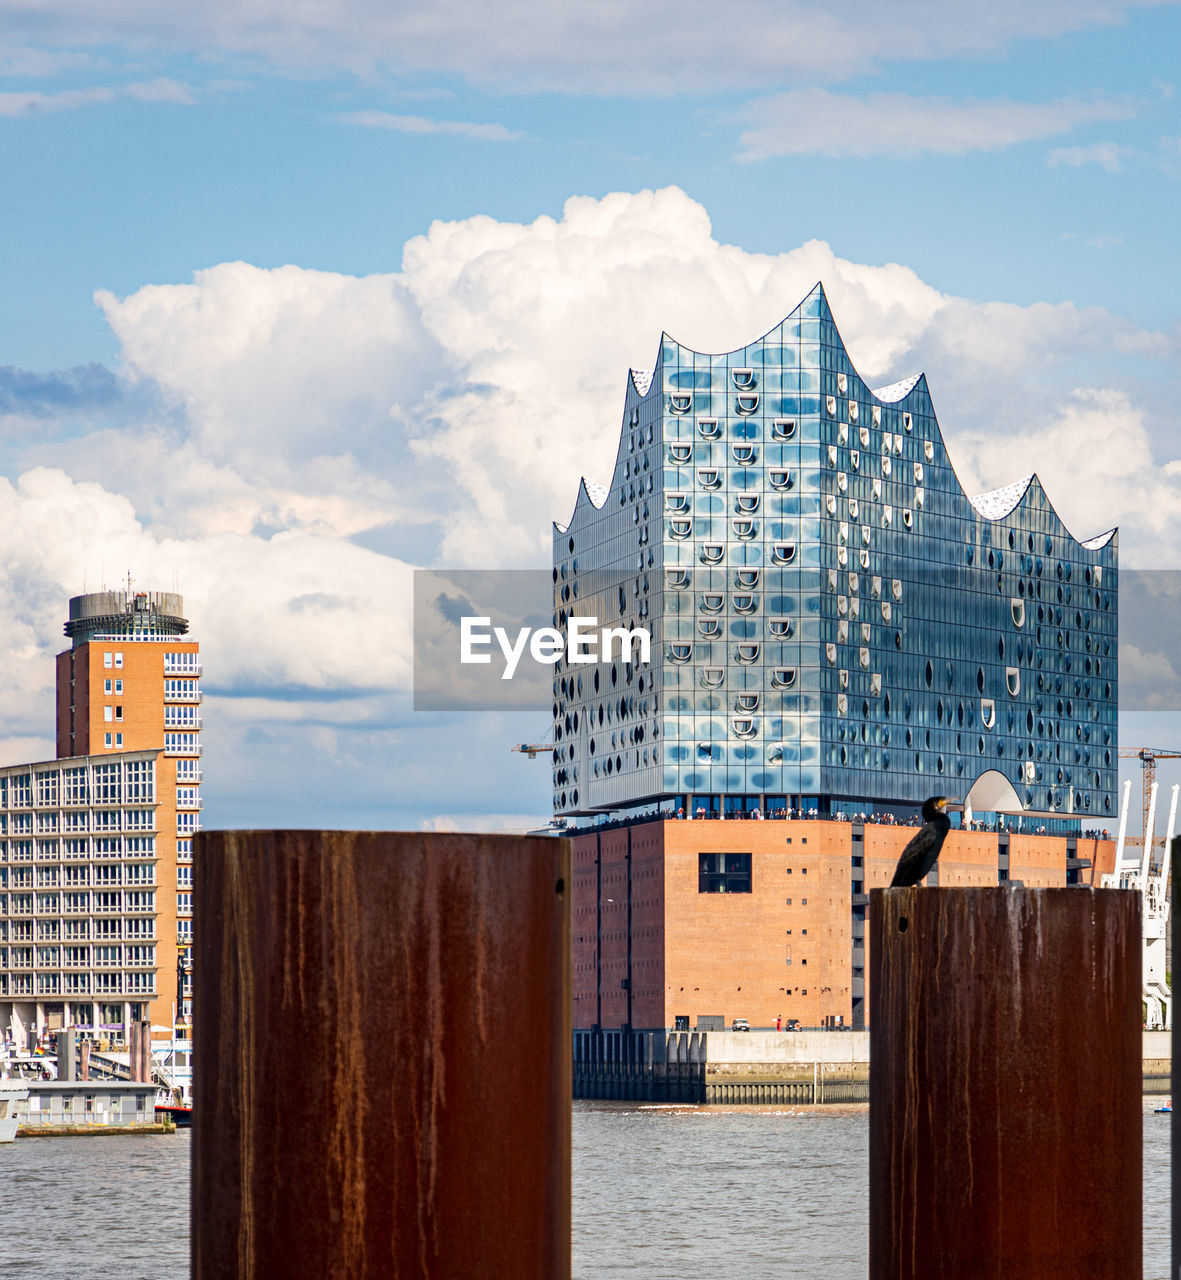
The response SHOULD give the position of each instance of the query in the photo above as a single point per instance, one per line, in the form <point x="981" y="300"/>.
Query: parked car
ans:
<point x="740" y="1024"/>
<point x="793" y="1024"/>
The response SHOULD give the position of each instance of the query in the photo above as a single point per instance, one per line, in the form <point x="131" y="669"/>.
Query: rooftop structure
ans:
<point x="836" y="622"/>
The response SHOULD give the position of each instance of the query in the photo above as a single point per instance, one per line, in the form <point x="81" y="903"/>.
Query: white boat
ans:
<point x="11" y="1092"/>
<point x="172" y="1063"/>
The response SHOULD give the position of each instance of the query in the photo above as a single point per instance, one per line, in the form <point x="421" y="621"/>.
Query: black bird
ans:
<point x="920" y="853"/>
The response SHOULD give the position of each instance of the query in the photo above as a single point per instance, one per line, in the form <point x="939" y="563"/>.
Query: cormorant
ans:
<point x="920" y="853"/>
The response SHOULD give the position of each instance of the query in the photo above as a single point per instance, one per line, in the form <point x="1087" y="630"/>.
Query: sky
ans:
<point x="298" y="298"/>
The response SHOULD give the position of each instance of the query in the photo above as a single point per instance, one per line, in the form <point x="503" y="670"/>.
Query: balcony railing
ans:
<point x="194" y="750"/>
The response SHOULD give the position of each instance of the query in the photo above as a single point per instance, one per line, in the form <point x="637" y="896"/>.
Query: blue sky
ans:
<point x="347" y="322"/>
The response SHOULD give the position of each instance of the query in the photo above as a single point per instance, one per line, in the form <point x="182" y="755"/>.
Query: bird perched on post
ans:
<point x="920" y="853"/>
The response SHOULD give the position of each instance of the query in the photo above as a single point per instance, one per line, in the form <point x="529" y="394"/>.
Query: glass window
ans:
<point x="723" y="873"/>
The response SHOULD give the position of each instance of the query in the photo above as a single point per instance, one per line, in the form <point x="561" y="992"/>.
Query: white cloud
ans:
<point x="465" y="393"/>
<point x="471" y="390"/>
<point x="1096" y="460"/>
<point x="648" y="46"/>
<point x="817" y="122"/>
<point x="37" y="103"/>
<point x="422" y="124"/>
<point x="1105" y="154"/>
<point x="287" y="614"/>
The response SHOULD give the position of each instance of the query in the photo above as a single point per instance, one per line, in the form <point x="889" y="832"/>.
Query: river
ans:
<point x="660" y="1192"/>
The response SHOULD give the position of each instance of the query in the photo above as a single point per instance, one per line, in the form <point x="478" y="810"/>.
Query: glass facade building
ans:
<point x="835" y="622"/>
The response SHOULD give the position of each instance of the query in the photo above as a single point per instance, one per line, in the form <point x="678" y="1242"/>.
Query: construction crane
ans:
<point x="534" y="749"/>
<point x="1152" y="883"/>
<point x="1148" y="756"/>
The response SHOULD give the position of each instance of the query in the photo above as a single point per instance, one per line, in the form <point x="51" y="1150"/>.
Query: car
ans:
<point x="740" y="1024"/>
<point x="793" y="1024"/>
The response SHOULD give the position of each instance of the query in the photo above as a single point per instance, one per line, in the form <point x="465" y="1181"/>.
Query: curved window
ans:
<point x="744" y="726"/>
<point x="830" y="503"/>
<point x="779" y="479"/>
<point x="708" y="477"/>
<point x="830" y="404"/>
<point x="746" y="403"/>
<point x="918" y="473"/>
<point x="863" y="436"/>
<point x="877" y="415"/>
<point x="709" y="627"/>
<point x="907" y="422"/>
<point x="783" y="428"/>
<point x="854" y="410"/>
<point x="712" y="677"/>
<point x="712" y="602"/>
<point x="780" y="628"/>
<point x="746" y="503"/>
<point x="744" y="604"/>
<point x="676" y="578"/>
<point x="747" y="578"/>
<point x="1013" y="681"/>
<point x="747" y="702"/>
<point x="680" y="453"/>
<point x="783" y="552"/>
<point x="1017" y="608"/>
<point x="746" y="653"/>
<point x="842" y="481"/>
<point x="744" y="379"/>
<point x="987" y="712"/>
<point x="677" y="503"/>
<point x="855" y="459"/>
<point x="712" y="552"/>
<point x="783" y="677"/>
<point x="708" y="428"/>
<point x="928" y="451"/>
<point x="680" y="528"/>
<point x="743" y="528"/>
<point x="680" y="652"/>
<point x="744" y="454"/>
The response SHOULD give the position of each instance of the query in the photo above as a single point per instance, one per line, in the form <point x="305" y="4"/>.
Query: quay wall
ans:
<point x="789" y="1067"/>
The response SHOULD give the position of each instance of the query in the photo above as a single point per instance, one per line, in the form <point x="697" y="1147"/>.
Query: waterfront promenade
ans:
<point x="757" y="1067"/>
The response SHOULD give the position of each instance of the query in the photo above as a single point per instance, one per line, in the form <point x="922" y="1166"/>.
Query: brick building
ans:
<point x="679" y="921"/>
<point x="96" y="861"/>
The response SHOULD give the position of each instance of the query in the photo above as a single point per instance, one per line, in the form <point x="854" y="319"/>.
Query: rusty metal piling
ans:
<point x="1005" y="1084"/>
<point x="383" y="1086"/>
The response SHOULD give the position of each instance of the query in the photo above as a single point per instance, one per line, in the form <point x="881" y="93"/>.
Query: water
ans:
<point x="85" y="1208"/>
<point x="664" y="1193"/>
<point x="755" y="1193"/>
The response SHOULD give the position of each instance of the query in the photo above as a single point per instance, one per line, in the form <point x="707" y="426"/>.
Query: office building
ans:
<point x="96" y="860"/>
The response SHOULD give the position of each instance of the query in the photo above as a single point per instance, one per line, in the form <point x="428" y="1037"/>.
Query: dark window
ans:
<point x="723" y="873"/>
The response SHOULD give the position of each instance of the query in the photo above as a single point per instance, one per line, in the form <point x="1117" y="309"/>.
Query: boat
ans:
<point x="172" y="1068"/>
<point x="1166" y="1110"/>
<point x="11" y="1092"/>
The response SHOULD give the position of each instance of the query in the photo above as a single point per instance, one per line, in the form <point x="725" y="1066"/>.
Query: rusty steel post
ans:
<point x="1005" y="1084"/>
<point x="383" y="1066"/>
